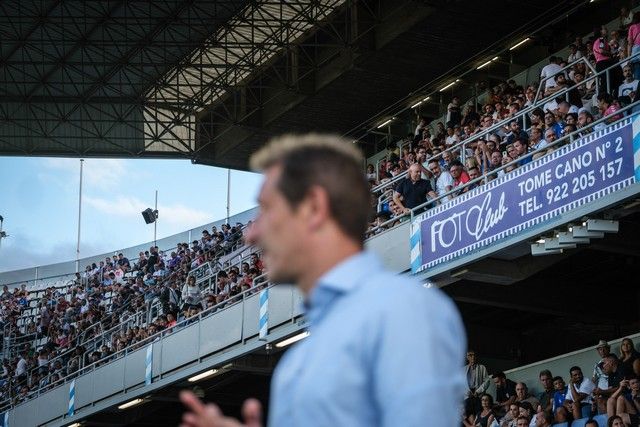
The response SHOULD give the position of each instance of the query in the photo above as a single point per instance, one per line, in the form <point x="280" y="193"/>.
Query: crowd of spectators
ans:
<point x="612" y="391"/>
<point x="492" y="130"/>
<point x="110" y="307"/>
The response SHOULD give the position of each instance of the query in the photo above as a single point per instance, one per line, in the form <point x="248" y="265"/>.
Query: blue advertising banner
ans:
<point x="572" y="176"/>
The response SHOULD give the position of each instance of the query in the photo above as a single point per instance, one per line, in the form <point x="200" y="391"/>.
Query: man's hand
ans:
<point x="210" y="415"/>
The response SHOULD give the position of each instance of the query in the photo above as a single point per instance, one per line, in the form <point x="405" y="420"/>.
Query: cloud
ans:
<point x="20" y="251"/>
<point x="101" y="174"/>
<point x="178" y="215"/>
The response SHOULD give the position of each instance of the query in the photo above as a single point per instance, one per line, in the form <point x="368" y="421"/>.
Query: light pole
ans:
<point x="79" y="218"/>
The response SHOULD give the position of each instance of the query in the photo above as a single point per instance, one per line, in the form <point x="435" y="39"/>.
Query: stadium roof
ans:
<point x="126" y="78"/>
<point x="212" y="80"/>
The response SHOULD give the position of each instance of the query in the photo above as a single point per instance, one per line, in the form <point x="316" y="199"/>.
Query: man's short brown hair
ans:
<point x="327" y="161"/>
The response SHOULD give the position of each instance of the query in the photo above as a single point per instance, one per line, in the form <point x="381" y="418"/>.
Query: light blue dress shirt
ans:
<point x="383" y="351"/>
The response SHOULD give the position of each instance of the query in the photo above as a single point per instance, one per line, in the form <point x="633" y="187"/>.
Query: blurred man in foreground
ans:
<point x="383" y="350"/>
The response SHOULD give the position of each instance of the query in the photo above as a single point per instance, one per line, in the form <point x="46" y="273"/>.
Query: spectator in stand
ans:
<point x="543" y="419"/>
<point x="413" y="190"/>
<point x="453" y="112"/>
<point x="629" y="358"/>
<point x="614" y="421"/>
<point x="633" y="45"/>
<point x="444" y="180"/>
<point x="549" y="71"/>
<point x="460" y="177"/>
<point x="522" y="151"/>
<point x="629" y="86"/>
<point x="605" y="59"/>
<point x="548" y="391"/>
<point x="560" y="392"/>
<point x="485" y="417"/>
<point x="625" y="402"/>
<point x="505" y="392"/>
<point x="477" y="381"/>
<point x="523" y="395"/>
<point x="578" y="400"/>
<point x="599" y="376"/>
<point x="614" y="375"/>
<point x="515" y="132"/>
<point x="574" y="53"/>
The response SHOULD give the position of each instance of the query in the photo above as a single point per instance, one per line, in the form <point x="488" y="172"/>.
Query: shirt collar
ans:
<point x="345" y="277"/>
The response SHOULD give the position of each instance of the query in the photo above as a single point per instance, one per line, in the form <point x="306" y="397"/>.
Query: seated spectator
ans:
<point x="607" y="107"/>
<point x="548" y="390"/>
<point x="614" y="377"/>
<point x="560" y="392"/>
<point x="625" y="401"/>
<point x="543" y="419"/>
<point x="521" y="152"/>
<point x="578" y="399"/>
<point x="485" y="417"/>
<point x="629" y="359"/>
<point x="460" y="177"/>
<point x="522" y="395"/>
<point x="444" y="180"/>
<point x="505" y="392"/>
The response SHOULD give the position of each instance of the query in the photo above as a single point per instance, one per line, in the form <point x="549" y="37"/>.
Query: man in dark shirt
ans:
<point x="505" y="392"/>
<point x="546" y="397"/>
<point x="413" y="190"/>
<point x="610" y="366"/>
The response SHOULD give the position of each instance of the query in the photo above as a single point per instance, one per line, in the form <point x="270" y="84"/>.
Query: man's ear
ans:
<point x="316" y="207"/>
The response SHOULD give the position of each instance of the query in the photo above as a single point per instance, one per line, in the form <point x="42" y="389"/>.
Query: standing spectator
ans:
<point x="453" y="112"/>
<point x="604" y="59"/>
<point x="549" y="71"/>
<point x="413" y="190"/>
<point x="477" y="381"/>
<point x="633" y="45"/>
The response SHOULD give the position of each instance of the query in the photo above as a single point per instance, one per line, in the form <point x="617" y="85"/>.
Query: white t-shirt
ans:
<point x="550" y="70"/>
<point x="444" y="180"/>
<point x="626" y="88"/>
<point x="21" y="368"/>
<point x="586" y="387"/>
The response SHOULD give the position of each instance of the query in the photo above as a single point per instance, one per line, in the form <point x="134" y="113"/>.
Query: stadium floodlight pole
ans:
<point x="79" y="218"/>
<point x="155" y="223"/>
<point x="228" y="193"/>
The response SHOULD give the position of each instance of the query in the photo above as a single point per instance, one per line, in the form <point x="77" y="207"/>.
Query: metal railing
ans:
<point x="566" y="138"/>
<point x="430" y="89"/>
<point x="259" y="283"/>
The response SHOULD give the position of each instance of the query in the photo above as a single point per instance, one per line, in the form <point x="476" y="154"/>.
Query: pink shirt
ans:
<point x="634" y="35"/>
<point x="598" y="52"/>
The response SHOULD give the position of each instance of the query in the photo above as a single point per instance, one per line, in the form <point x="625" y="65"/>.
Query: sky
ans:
<point x="39" y="203"/>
